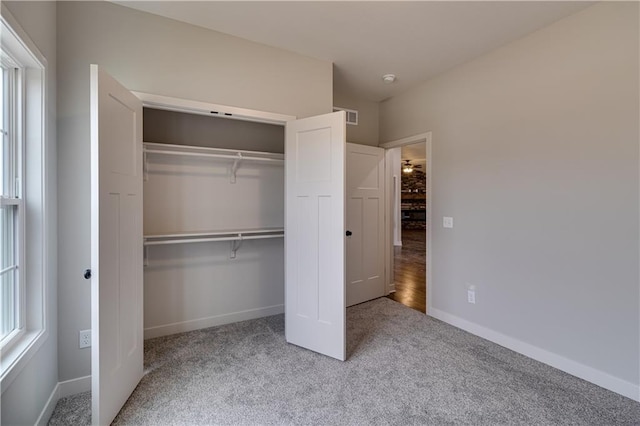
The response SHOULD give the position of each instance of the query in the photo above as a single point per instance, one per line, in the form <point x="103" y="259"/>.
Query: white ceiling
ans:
<point x="415" y="40"/>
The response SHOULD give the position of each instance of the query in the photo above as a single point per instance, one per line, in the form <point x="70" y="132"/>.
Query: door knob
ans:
<point x="87" y="274"/>
<point x="349" y="233"/>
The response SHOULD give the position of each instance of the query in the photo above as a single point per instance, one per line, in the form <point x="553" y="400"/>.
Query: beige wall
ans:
<point x="152" y="54"/>
<point x="535" y="155"/>
<point x="366" y="132"/>
<point x="24" y="399"/>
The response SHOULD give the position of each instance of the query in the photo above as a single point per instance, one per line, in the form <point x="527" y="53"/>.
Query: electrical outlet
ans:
<point x="471" y="294"/>
<point x="84" y="340"/>
<point x="447" y="222"/>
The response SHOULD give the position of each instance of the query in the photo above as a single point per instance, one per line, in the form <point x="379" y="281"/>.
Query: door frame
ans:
<point x="169" y="103"/>
<point x="389" y="240"/>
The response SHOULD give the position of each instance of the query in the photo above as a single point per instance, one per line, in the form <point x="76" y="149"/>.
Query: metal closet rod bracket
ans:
<point x="235" y="245"/>
<point x="234" y="168"/>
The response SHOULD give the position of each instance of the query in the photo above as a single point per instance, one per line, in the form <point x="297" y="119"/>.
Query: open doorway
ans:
<point x="408" y="176"/>
<point x="410" y="233"/>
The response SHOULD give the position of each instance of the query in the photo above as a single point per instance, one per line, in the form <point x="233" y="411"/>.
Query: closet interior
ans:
<point x="213" y="220"/>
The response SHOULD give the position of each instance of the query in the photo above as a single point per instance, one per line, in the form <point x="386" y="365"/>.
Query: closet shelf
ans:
<point x="189" y="151"/>
<point x="201" y="237"/>
<point x="236" y="236"/>
<point x="237" y="156"/>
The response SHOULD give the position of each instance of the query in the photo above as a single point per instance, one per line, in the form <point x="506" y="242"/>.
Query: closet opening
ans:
<point x="213" y="220"/>
<point x="187" y="223"/>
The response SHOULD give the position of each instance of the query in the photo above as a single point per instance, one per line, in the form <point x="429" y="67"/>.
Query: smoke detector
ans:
<point x="389" y="78"/>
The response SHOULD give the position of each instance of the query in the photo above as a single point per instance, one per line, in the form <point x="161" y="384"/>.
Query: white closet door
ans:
<point x="116" y="245"/>
<point x="365" y="221"/>
<point x="315" y="234"/>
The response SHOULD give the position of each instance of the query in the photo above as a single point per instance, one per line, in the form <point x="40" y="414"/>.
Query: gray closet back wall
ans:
<point x="180" y="128"/>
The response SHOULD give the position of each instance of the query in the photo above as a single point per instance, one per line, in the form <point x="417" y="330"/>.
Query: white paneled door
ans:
<point x="365" y="223"/>
<point x="315" y="234"/>
<point x="116" y="245"/>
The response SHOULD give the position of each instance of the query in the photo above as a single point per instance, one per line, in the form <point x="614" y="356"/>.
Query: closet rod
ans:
<point x="202" y="154"/>
<point x="234" y="232"/>
<point x="239" y="237"/>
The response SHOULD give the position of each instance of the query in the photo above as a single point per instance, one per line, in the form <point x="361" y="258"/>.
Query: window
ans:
<point x="11" y="204"/>
<point x="24" y="260"/>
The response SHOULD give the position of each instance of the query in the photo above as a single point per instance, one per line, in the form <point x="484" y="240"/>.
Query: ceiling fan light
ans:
<point x="407" y="169"/>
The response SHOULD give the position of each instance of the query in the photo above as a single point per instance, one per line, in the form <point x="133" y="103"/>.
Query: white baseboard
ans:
<point x="48" y="408"/>
<point x="574" y="368"/>
<point x="181" y="327"/>
<point x="61" y="390"/>
<point x="74" y="386"/>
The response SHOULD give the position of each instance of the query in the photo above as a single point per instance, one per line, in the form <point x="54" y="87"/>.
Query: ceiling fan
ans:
<point x="407" y="167"/>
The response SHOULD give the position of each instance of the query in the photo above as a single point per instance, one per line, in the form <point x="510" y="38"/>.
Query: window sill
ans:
<point x="18" y="355"/>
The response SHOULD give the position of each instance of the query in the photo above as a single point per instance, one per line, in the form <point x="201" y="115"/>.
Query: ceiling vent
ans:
<point x="352" y="115"/>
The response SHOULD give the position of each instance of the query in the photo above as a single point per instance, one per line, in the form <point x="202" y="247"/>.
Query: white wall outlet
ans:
<point x="84" y="339"/>
<point x="471" y="294"/>
<point x="447" y="222"/>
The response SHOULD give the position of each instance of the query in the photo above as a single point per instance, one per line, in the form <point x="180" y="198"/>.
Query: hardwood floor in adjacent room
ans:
<point x="410" y="270"/>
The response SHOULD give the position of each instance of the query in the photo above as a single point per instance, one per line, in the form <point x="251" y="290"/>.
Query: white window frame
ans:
<point x="35" y="263"/>
<point x="15" y="132"/>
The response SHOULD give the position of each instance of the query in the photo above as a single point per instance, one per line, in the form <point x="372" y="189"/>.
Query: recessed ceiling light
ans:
<point x="389" y="78"/>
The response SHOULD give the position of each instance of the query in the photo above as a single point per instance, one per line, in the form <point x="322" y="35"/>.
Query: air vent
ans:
<point x="352" y="115"/>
